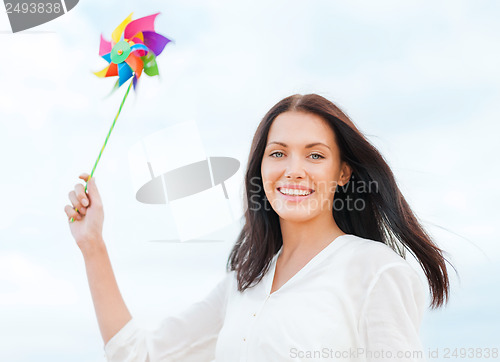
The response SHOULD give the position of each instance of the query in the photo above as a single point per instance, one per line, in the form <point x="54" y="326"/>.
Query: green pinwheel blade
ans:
<point x="115" y="87"/>
<point x="150" y="66"/>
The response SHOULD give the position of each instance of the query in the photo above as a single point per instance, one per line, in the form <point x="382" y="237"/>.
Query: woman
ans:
<point x="318" y="271"/>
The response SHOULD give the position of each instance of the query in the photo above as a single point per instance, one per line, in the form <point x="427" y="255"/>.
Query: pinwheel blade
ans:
<point x="154" y="41"/>
<point x="141" y="49"/>
<point x="150" y="66"/>
<point x="102" y="73"/>
<point x="138" y="38"/>
<point x="117" y="33"/>
<point x="107" y="57"/>
<point x="146" y="23"/>
<point x="115" y="87"/>
<point x="105" y="46"/>
<point x="134" y="81"/>
<point x="135" y="63"/>
<point x="124" y="73"/>
<point x="112" y="70"/>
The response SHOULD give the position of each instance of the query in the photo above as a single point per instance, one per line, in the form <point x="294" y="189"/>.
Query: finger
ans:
<point x="76" y="203"/>
<point x="93" y="192"/>
<point x="84" y="176"/>
<point x="71" y="213"/>
<point x="82" y="197"/>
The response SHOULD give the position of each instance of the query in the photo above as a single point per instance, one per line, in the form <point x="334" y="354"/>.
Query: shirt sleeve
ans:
<point x="188" y="336"/>
<point x="391" y="315"/>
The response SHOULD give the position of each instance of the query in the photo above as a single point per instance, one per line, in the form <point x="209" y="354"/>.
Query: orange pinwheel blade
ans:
<point x="112" y="70"/>
<point x="135" y="63"/>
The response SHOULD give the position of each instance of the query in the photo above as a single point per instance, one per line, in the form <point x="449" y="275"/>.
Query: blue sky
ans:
<point x="420" y="78"/>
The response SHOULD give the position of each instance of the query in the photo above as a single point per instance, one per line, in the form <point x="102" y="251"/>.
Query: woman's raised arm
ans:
<point x="88" y="215"/>
<point x="190" y="335"/>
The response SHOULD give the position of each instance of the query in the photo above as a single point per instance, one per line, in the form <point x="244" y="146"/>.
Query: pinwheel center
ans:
<point x="120" y="52"/>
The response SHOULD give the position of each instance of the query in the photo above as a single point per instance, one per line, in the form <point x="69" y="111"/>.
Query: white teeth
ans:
<point x="294" y="192"/>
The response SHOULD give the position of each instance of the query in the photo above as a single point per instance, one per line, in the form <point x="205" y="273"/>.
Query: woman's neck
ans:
<point x="307" y="237"/>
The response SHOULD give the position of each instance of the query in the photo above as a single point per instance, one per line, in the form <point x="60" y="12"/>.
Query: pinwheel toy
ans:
<point x="133" y="48"/>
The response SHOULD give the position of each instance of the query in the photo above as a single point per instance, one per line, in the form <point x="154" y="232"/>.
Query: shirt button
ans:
<point x="244" y="339"/>
<point x="254" y="314"/>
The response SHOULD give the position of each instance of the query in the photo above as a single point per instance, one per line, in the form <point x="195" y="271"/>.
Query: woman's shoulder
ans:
<point x="365" y="260"/>
<point x="371" y="255"/>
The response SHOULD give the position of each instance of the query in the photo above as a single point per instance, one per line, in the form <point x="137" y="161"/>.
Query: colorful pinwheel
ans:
<point x="133" y="48"/>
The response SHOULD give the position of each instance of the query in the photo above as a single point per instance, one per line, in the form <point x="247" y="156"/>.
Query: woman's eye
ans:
<point x="312" y="154"/>
<point x="272" y="154"/>
<point x="316" y="154"/>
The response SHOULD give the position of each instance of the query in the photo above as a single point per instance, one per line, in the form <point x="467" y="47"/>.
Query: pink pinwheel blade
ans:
<point x="105" y="46"/>
<point x="137" y="40"/>
<point x="155" y="41"/>
<point x="146" y="23"/>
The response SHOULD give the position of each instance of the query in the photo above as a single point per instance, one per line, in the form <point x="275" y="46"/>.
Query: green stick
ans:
<point x="106" y="141"/>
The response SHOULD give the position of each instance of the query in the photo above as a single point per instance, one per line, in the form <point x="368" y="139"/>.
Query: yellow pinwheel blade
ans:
<point x="117" y="33"/>
<point x="102" y="73"/>
<point x="140" y="36"/>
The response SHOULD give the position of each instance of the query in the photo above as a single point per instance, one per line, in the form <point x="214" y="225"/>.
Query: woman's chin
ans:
<point x="298" y="215"/>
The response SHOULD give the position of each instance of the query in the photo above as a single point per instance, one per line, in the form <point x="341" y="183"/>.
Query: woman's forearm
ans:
<point x="111" y="311"/>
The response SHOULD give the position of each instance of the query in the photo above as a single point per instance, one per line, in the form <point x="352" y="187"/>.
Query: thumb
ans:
<point x="93" y="192"/>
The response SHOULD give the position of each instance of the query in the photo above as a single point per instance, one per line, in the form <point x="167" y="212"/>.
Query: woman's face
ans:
<point x="301" y="151"/>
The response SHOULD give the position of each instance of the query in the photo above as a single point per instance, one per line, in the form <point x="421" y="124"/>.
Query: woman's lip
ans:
<point x="294" y="198"/>
<point x="294" y="188"/>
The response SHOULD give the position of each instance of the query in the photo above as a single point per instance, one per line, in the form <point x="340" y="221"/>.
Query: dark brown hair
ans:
<point x="386" y="218"/>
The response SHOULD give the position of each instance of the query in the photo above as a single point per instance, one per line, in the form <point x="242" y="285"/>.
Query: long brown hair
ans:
<point x="386" y="217"/>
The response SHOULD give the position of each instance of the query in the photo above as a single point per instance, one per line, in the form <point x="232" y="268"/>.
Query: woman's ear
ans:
<point x="345" y="173"/>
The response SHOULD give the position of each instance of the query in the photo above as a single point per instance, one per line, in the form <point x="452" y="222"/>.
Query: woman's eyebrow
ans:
<point x="307" y="146"/>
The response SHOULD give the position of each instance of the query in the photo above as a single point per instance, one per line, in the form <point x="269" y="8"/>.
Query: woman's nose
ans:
<point x="294" y="168"/>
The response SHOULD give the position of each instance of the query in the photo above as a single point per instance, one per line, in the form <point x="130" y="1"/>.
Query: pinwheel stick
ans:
<point x="109" y="133"/>
<point x="106" y="141"/>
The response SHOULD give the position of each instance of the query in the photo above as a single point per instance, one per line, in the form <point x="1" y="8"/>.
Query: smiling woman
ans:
<point x="307" y="143"/>
<point x="355" y="191"/>
<point x="318" y="270"/>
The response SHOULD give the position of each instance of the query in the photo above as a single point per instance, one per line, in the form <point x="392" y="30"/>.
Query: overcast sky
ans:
<point x="419" y="78"/>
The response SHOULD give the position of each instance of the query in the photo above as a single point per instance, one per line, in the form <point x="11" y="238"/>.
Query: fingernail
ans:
<point x="85" y="202"/>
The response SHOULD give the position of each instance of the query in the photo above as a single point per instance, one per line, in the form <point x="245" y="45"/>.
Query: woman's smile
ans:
<point x="291" y="194"/>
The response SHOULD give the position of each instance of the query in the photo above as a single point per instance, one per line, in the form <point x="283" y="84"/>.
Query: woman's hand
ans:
<point x="88" y="220"/>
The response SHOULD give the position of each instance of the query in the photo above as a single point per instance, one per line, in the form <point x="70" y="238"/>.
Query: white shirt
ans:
<point x="356" y="300"/>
